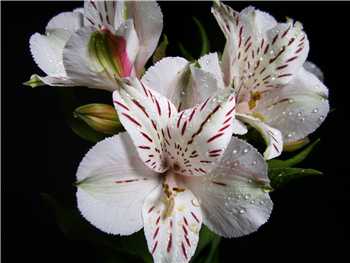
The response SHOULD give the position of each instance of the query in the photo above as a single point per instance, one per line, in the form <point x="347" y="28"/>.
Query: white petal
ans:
<point x="296" y="109"/>
<point x="172" y="238"/>
<point x="169" y="78"/>
<point x="47" y="51"/>
<point x="79" y="65"/>
<point x="145" y="114"/>
<point x="260" y="58"/>
<point x="254" y="21"/>
<point x="100" y="13"/>
<point x="312" y="68"/>
<point x="232" y="200"/>
<point x="199" y="136"/>
<point x="148" y="20"/>
<point x="202" y="84"/>
<point x="57" y="81"/>
<point x="70" y="21"/>
<point x="239" y="127"/>
<point x="272" y="136"/>
<point x="210" y="63"/>
<point x="113" y="184"/>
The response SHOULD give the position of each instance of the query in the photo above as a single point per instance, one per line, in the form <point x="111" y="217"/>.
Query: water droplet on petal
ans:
<point x="315" y="110"/>
<point x="289" y="135"/>
<point x="245" y="150"/>
<point x="241" y="211"/>
<point x="195" y="202"/>
<point x="234" y="151"/>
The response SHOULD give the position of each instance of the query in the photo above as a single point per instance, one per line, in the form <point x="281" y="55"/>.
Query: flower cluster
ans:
<point x="180" y="163"/>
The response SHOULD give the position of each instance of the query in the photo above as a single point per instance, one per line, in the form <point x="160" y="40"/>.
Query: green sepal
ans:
<point x="281" y="176"/>
<point x="296" y="159"/>
<point x="34" y="81"/>
<point x="204" y="37"/>
<point x="161" y="50"/>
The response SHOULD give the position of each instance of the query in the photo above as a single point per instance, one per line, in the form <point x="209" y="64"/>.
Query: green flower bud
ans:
<point x="101" y="117"/>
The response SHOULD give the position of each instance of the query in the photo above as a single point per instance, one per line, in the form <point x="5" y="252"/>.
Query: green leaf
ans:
<point x="204" y="40"/>
<point x="185" y="53"/>
<point x="204" y="247"/>
<point x="204" y="37"/>
<point x="296" y="159"/>
<point x="161" y="50"/>
<point x="281" y="176"/>
<point x="34" y="81"/>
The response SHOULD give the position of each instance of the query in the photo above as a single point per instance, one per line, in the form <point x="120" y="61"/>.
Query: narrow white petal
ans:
<point x="148" y="21"/>
<point x="231" y="196"/>
<point x="111" y="173"/>
<point x="172" y="237"/>
<point x="145" y="114"/>
<point x="100" y="13"/>
<point x="296" y="109"/>
<point x="272" y="136"/>
<point x="200" y="135"/>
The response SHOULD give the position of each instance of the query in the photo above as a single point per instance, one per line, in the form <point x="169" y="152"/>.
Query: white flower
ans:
<point x="264" y="61"/>
<point x="87" y="47"/>
<point x="173" y="171"/>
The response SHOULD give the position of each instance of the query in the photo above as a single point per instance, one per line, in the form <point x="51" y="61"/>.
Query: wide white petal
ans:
<point x="199" y="136"/>
<point x="232" y="198"/>
<point x="314" y="69"/>
<point x="112" y="186"/>
<point x="80" y="67"/>
<point x="296" y="109"/>
<point x="148" y="21"/>
<point x="145" y="114"/>
<point x="70" y="21"/>
<point x="169" y="77"/>
<point x="47" y="51"/>
<point x="174" y="237"/>
<point x="272" y="136"/>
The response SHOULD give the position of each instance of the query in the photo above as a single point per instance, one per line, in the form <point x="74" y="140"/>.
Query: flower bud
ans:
<point x="101" y="117"/>
<point x="108" y="53"/>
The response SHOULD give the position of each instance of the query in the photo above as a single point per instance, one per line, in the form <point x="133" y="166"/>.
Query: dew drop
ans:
<point x="254" y="162"/>
<point x="302" y="119"/>
<point x="245" y="150"/>
<point x="290" y="113"/>
<point x="283" y="113"/>
<point x="195" y="202"/>
<point x="291" y="101"/>
<point x="234" y="151"/>
<point x="321" y="118"/>
<point x="242" y="211"/>
<point x="299" y="114"/>
<point x="315" y="110"/>
<point x="289" y="135"/>
<point x="235" y="164"/>
<point x="252" y="202"/>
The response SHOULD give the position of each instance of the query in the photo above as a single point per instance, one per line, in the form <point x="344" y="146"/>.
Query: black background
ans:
<point x="40" y="153"/>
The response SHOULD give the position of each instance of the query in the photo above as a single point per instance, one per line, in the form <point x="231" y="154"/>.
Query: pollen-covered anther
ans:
<point x="254" y="97"/>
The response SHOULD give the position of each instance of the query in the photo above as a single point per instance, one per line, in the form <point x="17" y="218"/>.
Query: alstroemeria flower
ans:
<point x="91" y="46"/>
<point x="264" y="61"/>
<point x="173" y="171"/>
